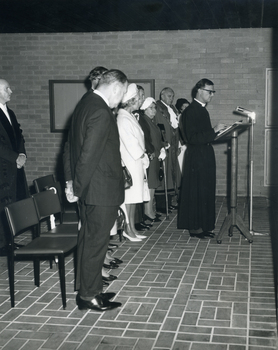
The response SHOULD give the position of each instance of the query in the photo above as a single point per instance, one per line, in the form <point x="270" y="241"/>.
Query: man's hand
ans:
<point x="151" y="156"/>
<point x="21" y="160"/>
<point x="69" y="192"/>
<point x="220" y="127"/>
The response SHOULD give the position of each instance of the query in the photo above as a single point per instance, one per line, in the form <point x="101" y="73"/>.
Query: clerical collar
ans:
<point x="102" y="96"/>
<point x="201" y="103"/>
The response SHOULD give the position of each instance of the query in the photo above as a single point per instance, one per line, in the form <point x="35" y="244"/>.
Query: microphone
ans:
<point x="246" y="112"/>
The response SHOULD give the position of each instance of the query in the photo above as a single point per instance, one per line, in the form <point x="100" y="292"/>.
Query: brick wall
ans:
<point x="235" y="60"/>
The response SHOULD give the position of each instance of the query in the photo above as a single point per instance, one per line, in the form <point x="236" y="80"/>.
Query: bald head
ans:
<point x="167" y="96"/>
<point x="5" y="91"/>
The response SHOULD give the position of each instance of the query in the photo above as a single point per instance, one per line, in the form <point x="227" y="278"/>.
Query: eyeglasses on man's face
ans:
<point x="209" y="91"/>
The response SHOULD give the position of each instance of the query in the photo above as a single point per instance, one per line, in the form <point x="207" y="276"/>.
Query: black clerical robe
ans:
<point x="197" y="197"/>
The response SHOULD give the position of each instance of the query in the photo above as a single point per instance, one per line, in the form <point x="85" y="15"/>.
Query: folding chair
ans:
<point x="22" y="216"/>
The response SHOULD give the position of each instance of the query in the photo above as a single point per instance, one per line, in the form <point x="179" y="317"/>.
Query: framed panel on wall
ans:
<point x="271" y="101"/>
<point x="65" y="94"/>
<point x="63" y="97"/>
<point x="147" y="84"/>
<point x="270" y="157"/>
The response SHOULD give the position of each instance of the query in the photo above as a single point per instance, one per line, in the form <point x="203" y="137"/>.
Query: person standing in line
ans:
<point x="134" y="157"/>
<point x="96" y="180"/>
<point x="197" y="200"/>
<point x="180" y="105"/>
<point x="93" y="79"/>
<point x="13" y="185"/>
<point x="158" y="155"/>
<point x="140" y="221"/>
<point x="167" y="119"/>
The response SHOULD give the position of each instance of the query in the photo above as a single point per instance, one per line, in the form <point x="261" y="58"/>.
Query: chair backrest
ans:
<point x="21" y="215"/>
<point x="41" y="182"/>
<point x="46" y="182"/>
<point x="47" y="203"/>
<point x="57" y="186"/>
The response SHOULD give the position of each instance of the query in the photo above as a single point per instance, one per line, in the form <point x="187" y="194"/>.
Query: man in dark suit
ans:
<point x="95" y="178"/>
<point x="13" y="184"/>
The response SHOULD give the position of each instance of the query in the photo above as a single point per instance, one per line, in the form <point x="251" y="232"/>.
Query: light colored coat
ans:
<point x="132" y="147"/>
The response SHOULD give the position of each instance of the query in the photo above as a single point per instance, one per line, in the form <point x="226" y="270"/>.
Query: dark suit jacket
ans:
<point x="11" y="144"/>
<point x="91" y="155"/>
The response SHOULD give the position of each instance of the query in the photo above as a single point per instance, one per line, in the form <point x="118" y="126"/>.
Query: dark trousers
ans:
<point x="161" y="201"/>
<point x="139" y="213"/>
<point x="4" y="228"/>
<point x="93" y="240"/>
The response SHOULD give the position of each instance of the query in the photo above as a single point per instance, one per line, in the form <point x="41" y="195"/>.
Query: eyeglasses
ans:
<point x="209" y="91"/>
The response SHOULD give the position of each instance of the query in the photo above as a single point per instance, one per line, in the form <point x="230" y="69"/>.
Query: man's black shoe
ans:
<point x="163" y="211"/>
<point x="113" y="245"/>
<point x="110" y="266"/>
<point x="144" y="224"/>
<point x="109" y="278"/>
<point x="209" y="234"/>
<point x="116" y="261"/>
<point x="107" y="296"/>
<point x="152" y="220"/>
<point x="140" y="227"/>
<point x="105" y="284"/>
<point x="198" y="235"/>
<point x="98" y="303"/>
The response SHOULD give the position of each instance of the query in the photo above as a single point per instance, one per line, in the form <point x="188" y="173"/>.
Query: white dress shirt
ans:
<point x="5" y="110"/>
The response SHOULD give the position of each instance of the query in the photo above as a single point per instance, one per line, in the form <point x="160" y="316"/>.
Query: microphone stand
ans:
<point x="251" y="118"/>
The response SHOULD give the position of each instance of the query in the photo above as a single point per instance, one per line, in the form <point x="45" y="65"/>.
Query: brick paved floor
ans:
<point x="178" y="293"/>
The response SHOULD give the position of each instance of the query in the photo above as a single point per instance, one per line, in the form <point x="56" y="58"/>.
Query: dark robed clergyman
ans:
<point x="197" y="197"/>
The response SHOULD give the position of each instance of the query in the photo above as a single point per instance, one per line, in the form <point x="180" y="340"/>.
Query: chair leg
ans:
<point x="11" y="276"/>
<point x="61" y="264"/>
<point x="36" y="264"/>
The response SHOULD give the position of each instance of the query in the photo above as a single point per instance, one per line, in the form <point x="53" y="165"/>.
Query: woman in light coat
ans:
<point x="132" y="148"/>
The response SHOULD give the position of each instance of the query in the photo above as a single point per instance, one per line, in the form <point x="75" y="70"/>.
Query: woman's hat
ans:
<point x="132" y="91"/>
<point x="148" y="101"/>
